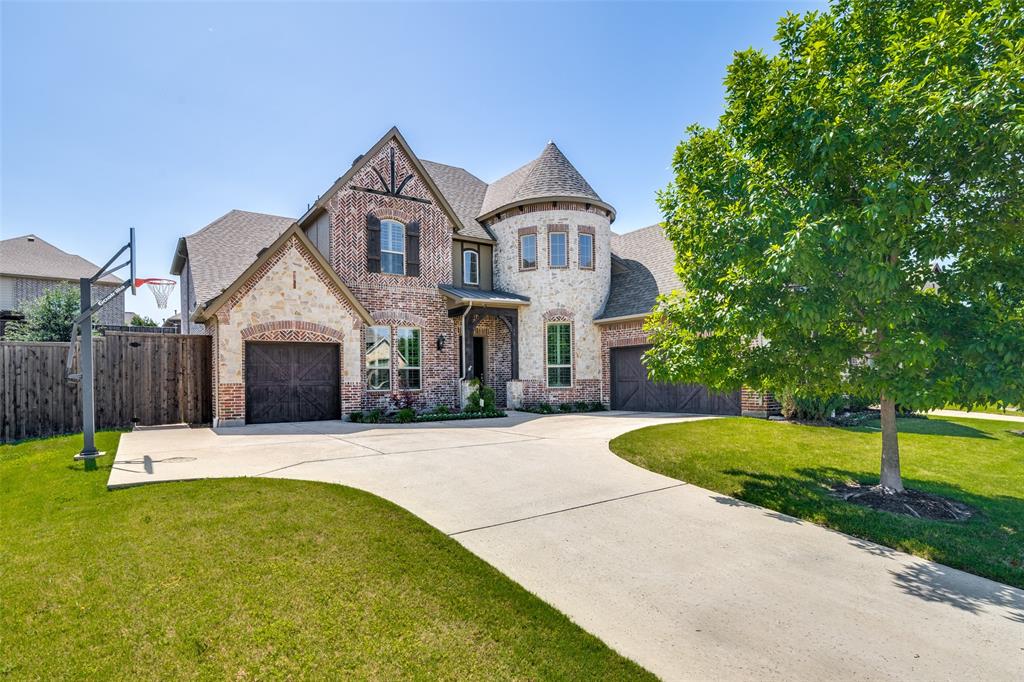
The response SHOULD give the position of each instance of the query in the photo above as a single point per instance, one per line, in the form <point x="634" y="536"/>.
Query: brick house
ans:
<point x="412" y="277"/>
<point x="31" y="266"/>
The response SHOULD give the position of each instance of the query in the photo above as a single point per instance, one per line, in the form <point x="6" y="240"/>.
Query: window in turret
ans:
<point x="559" y="355"/>
<point x="528" y="251"/>
<point x="586" y="251"/>
<point x="558" y="250"/>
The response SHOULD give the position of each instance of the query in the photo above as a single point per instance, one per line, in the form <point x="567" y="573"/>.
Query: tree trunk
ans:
<point x="891" y="480"/>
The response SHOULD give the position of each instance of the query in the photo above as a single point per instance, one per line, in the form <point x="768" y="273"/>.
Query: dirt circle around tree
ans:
<point x="912" y="503"/>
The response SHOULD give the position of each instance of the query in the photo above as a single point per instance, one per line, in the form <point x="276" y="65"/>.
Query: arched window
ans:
<point x="470" y="267"/>
<point x="392" y="247"/>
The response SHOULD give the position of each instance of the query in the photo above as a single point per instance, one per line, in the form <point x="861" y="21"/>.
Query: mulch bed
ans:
<point x="908" y="503"/>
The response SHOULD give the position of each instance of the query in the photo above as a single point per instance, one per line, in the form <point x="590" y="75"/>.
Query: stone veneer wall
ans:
<point x="288" y="299"/>
<point x="566" y="294"/>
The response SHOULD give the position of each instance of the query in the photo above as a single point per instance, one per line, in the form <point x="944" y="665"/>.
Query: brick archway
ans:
<point x="292" y="330"/>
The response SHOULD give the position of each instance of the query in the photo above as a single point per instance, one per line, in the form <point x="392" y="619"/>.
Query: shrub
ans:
<point x="441" y="410"/>
<point x="809" y="408"/>
<point x="581" y="406"/>
<point x="565" y="407"/>
<point x="405" y="415"/>
<point x="355" y="417"/>
<point x="47" y="318"/>
<point x="481" y="399"/>
<point x="374" y="416"/>
<point x="597" y="406"/>
<point x="858" y="404"/>
<point x="402" y="401"/>
<point x="545" y="408"/>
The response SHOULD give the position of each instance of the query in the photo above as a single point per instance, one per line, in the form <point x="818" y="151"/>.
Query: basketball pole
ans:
<point x="89" y="452"/>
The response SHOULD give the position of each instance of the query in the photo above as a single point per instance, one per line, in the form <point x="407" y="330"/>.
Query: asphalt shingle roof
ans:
<point x="643" y="268"/>
<point x="549" y="175"/>
<point x="464" y="192"/>
<point x="30" y="256"/>
<point x="222" y="250"/>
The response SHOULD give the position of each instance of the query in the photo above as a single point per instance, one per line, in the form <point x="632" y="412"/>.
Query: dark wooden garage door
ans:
<point x="291" y="382"/>
<point x="632" y="390"/>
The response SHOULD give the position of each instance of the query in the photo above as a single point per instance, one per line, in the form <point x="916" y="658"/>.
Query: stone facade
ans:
<point x="557" y="294"/>
<point x="288" y="298"/>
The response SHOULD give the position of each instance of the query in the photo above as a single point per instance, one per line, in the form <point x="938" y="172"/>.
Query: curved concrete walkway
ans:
<point x="691" y="584"/>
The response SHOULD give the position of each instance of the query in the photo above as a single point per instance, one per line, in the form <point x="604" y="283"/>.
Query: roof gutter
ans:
<point x="622" y="318"/>
<point x="180" y="256"/>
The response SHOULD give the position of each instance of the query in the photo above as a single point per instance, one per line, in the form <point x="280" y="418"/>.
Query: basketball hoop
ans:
<point x="161" y="289"/>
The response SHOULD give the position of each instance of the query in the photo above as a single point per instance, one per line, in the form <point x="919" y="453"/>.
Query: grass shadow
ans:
<point x="926" y="427"/>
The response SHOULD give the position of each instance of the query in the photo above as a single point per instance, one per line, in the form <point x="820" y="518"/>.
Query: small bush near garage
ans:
<point x="549" y="408"/>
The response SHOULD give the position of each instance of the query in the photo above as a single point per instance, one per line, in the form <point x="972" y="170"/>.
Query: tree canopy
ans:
<point x="855" y="222"/>
<point x="47" y="318"/>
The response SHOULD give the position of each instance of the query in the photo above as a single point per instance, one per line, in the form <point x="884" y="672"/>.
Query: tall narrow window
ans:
<point x="559" y="355"/>
<point x="378" y="358"/>
<point x="470" y="267"/>
<point x="528" y="252"/>
<point x="558" y="256"/>
<point x="392" y="247"/>
<point x="586" y="251"/>
<point x="408" y="358"/>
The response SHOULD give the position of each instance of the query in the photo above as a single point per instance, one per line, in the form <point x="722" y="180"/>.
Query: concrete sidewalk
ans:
<point x="689" y="583"/>
<point x="963" y="414"/>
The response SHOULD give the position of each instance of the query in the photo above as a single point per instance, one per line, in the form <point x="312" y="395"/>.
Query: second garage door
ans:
<point x="632" y="390"/>
<point x="291" y="382"/>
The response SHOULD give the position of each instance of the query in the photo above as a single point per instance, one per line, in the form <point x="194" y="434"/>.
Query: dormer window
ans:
<point x="392" y="247"/>
<point x="470" y="267"/>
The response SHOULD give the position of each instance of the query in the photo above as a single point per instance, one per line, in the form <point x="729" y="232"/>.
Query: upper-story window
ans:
<point x="586" y="251"/>
<point x="558" y="250"/>
<point x="528" y="251"/>
<point x="392" y="247"/>
<point x="470" y="267"/>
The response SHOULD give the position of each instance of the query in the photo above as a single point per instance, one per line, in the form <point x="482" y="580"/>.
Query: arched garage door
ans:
<point x="632" y="390"/>
<point x="291" y="382"/>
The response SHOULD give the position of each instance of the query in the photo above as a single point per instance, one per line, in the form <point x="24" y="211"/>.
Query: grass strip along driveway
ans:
<point x="254" y="578"/>
<point x="790" y="468"/>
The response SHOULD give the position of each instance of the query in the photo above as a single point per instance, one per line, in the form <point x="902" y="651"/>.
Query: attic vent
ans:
<point x="31" y="239"/>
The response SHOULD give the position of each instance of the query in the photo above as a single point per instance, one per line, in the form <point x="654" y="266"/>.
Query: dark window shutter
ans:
<point x="372" y="243"/>
<point x="412" y="249"/>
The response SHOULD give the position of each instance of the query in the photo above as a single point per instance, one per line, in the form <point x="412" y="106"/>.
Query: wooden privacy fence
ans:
<point x="140" y="378"/>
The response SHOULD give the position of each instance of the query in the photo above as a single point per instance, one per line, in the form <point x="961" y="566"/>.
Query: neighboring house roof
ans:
<point x="549" y="176"/>
<point x="464" y="295"/>
<point x="222" y="250"/>
<point x="465" y="192"/>
<point x="204" y="311"/>
<point x="30" y="256"/>
<point x="643" y="267"/>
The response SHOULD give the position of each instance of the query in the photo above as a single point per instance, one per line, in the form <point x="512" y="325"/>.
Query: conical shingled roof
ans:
<point x="549" y="175"/>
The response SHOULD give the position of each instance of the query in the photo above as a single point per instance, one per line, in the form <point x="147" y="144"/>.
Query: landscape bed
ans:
<point x="795" y="469"/>
<point x="254" y="578"/>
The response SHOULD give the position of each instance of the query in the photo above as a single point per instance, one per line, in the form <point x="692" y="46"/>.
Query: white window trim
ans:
<point x="551" y="251"/>
<point x="384" y="251"/>
<point x="398" y="370"/>
<point x="579" y="249"/>
<point x="465" y="269"/>
<point x="536" y="255"/>
<point x="548" y="365"/>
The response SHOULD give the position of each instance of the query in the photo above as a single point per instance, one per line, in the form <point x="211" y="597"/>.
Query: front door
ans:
<point x="479" y="365"/>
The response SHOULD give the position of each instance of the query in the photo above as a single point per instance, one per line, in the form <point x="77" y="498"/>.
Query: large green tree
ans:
<point x="855" y="222"/>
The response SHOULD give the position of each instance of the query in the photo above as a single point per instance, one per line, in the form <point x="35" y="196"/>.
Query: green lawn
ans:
<point x="988" y="409"/>
<point x="788" y="468"/>
<point x="245" y="578"/>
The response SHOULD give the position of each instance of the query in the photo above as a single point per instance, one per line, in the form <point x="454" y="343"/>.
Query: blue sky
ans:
<point x="166" y="116"/>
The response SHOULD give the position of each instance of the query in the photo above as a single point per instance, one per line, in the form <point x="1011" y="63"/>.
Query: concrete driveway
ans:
<point x="689" y="583"/>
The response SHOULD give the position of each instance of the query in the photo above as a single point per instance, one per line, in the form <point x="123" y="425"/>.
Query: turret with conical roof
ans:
<point x="549" y="177"/>
<point x="553" y="233"/>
